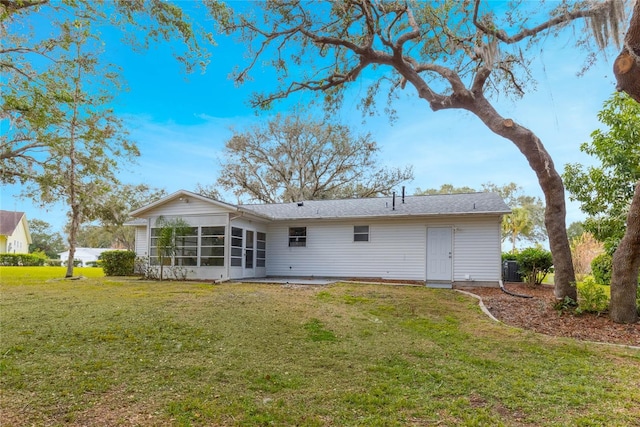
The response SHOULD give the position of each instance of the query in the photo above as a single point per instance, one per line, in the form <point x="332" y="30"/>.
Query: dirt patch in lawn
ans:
<point x="538" y="314"/>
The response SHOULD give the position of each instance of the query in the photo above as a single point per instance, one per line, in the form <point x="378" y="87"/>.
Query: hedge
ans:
<point x="118" y="263"/>
<point x="534" y="264"/>
<point x="33" y="259"/>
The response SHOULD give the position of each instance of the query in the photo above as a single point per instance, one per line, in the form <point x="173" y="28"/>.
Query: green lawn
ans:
<point x="113" y="351"/>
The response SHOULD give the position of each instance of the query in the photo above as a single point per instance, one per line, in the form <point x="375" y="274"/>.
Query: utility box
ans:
<point x="510" y="271"/>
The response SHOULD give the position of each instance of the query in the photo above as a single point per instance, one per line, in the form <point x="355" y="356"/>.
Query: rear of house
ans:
<point x="448" y="239"/>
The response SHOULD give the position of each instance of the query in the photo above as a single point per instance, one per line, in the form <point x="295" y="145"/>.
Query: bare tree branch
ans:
<point x="501" y="35"/>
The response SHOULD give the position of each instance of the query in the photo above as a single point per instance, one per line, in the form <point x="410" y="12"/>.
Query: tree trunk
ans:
<point x="73" y="233"/>
<point x="626" y="267"/>
<point x="550" y="182"/>
<point x="626" y="67"/>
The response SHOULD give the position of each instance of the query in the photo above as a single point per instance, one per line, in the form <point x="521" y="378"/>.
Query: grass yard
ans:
<point x="111" y="351"/>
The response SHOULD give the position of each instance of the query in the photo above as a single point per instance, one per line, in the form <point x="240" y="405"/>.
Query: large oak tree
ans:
<point x="454" y="55"/>
<point x="294" y="158"/>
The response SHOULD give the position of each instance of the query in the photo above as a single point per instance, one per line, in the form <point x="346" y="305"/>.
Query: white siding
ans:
<point x="477" y="250"/>
<point x="396" y="249"/>
<point x="181" y="208"/>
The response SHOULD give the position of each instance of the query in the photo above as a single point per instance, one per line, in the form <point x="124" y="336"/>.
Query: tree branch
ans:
<point x="529" y="32"/>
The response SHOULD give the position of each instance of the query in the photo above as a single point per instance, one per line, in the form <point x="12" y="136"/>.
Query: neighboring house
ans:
<point x="84" y="255"/>
<point x="439" y="239"/>
<point x="14" y="233"/>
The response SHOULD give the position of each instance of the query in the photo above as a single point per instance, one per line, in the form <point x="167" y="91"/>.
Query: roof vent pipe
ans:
<point x="403" y="194"/>
<point x="393" y="206"/>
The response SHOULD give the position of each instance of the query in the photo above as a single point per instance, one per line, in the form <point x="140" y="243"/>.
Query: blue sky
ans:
<point x="181" y="122"/>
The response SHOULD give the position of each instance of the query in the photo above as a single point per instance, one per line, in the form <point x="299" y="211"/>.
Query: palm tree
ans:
<point x="515" y="224"/>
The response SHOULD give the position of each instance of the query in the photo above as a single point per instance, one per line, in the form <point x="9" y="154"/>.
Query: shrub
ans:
<point x="584" y="249"/>
<point x="601" y="268"/>
<point x="534" y="264"/>
<point x="143" y="267"/>
<point x="34" y="259"/>
<point x="118" y="263"/>
<point x="567" y="304"/>
<point x="53" y="262"/>
<point x="591" y="297"/>
<point x="509" y="256"/>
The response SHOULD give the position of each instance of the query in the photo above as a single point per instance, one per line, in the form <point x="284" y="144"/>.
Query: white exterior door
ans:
<point x="439" y="253"/>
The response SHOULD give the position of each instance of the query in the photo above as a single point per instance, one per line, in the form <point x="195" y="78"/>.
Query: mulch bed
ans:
<point x="538" y="314"/>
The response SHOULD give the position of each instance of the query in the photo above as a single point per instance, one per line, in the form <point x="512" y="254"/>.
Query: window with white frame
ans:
<point x="297" y="236"/>
<point x="360" y="233"/>
<point x="186" y="249"/>
<point x="194" y="246"/>
<point x="212" y="246"/>
<point x="154" y="253"/>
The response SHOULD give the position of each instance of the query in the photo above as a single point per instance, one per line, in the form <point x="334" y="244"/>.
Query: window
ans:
<point x="187" y="252"/>
<point x="187" y="247"/>
<point x="298" y="236"/>
<point x="236" y="247"/>
<point x="261" y="254"/>
<point x="361" y="233"/>
<point x="156" y="254"/>
<point x="212" y="246"/>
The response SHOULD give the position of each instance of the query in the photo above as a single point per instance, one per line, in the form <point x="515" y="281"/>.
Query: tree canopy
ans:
<point x="43" y="239"/>
<point x="605" y="190"/>
<point x="36" y="38"/>
<point x="294" y="158"/>
<point x="610" y="194"/>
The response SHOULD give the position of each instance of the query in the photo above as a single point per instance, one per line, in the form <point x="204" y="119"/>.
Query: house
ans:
<point x="85" y="255"/>
<point x="14" y="233"/>
<point x="439" y="239"/>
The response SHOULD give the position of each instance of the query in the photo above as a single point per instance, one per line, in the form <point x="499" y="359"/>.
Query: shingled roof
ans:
<point x="431" y="205"/>
<point x="9" y="220"/>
